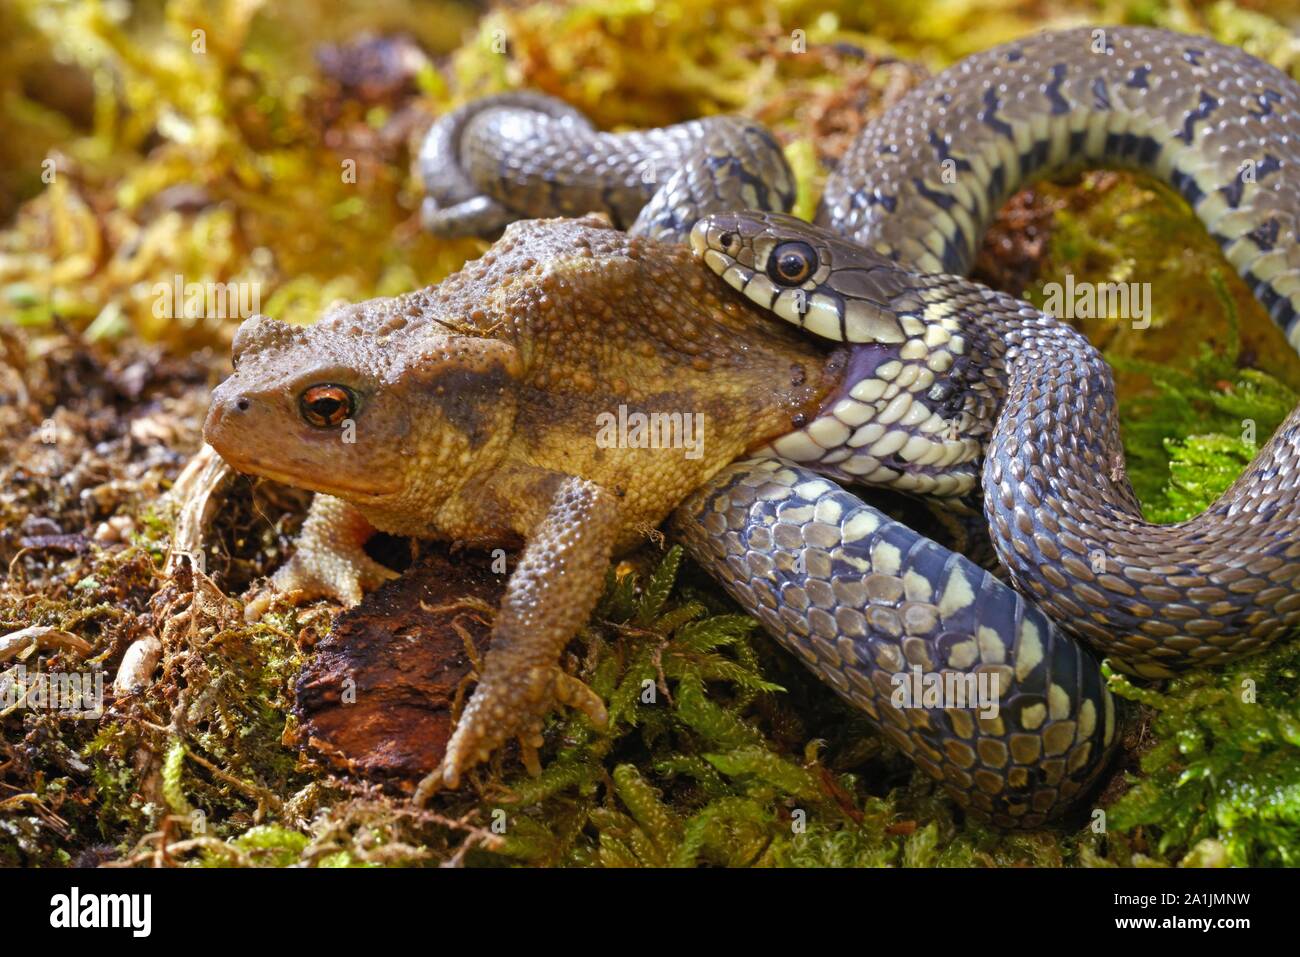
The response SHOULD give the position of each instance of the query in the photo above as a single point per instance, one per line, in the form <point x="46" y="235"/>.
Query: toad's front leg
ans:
<point x="329" y="559"/>
<point x="551" y="594"/>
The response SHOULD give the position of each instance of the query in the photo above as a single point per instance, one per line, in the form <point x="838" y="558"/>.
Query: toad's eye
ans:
<point x="791" y="263"/>
<point x="326" y="405"/>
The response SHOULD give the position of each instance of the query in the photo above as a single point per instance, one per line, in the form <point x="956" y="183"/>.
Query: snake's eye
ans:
<point x="326" y="405"/>
<point x="791" y="263"/>
<point x="728" y="242"/>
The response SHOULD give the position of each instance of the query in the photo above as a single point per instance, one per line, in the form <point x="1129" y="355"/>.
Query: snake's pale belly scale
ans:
<point x="953" y="388"/>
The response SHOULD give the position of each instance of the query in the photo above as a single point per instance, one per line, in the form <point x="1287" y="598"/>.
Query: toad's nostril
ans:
<point x="241" y="404"/>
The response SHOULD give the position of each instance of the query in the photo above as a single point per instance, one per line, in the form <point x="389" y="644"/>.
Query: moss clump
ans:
<point x="1220" y="781"/>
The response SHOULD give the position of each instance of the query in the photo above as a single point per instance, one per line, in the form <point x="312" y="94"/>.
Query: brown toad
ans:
<point x="500" y="408"/>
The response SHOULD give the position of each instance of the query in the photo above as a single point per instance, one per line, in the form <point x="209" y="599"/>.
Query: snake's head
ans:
<point x="912" y="412"/>
<point x="808" y="276"/>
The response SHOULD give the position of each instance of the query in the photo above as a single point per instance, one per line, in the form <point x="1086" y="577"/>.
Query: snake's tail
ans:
<point x="478" y="216"/>
<point x="527" y="156"/>
<point x="459" y="201"/>
<point x="1209" y="119"/>
<point x="973" y="683"/>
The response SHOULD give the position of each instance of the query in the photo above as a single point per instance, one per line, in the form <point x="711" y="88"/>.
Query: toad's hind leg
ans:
<point x="549" y="597"/>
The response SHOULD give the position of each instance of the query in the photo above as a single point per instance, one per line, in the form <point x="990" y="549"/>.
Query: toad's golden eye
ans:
<point x="791" y="263"/>
<point x="326" y="405"/>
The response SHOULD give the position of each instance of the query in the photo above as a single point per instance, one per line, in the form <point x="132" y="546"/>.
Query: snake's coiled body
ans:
<point x="521" y="155"/>
<point x="954" y="387"/>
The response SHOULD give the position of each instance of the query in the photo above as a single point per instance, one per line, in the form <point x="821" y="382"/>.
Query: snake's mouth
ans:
<point x="903" y="416"/>
<point x="892" y="422"/>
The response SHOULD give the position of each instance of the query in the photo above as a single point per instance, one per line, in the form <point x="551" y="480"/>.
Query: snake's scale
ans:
<point x="955" y="388"/>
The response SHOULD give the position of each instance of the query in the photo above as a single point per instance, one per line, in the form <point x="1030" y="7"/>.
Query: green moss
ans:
<point x="274" y="846"/>
<point x="173" y="789"/>
<point x="1220" y="779"/>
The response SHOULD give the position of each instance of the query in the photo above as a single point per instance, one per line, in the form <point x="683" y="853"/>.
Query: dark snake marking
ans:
<point x="953" y="388"/>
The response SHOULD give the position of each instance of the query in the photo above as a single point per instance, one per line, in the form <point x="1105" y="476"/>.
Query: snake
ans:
<point x="955" y="392"/>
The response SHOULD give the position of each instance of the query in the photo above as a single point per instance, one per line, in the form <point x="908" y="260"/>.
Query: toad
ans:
<point x="561" y="394"/>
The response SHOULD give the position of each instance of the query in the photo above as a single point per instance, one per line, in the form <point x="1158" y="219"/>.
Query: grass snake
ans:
<point x="954" y="389"/>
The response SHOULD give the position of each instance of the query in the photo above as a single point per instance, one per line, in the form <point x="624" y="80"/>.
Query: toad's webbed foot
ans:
<point x="329" y="561"/>
<point x="549" y="597"/>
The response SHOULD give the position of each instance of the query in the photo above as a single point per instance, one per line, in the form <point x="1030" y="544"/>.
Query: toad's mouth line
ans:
<point x="314" y="482"/>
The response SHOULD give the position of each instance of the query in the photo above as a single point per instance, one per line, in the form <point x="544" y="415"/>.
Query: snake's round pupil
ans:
<point x="325" y="405"/>
<point x="727" y="239"/>
<point x="792" y="263"/>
